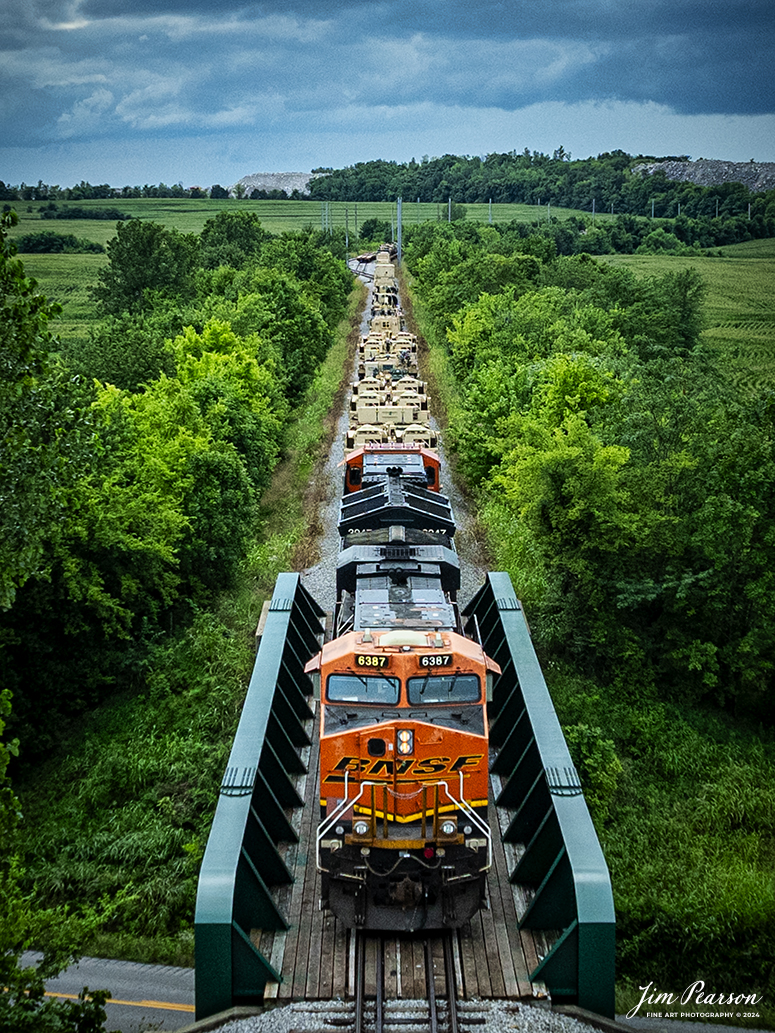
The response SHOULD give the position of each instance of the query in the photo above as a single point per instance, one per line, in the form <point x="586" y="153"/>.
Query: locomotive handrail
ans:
<point x="350" y="803"/>
<point x="562" y="860"/>
<point x="241" y="861"/>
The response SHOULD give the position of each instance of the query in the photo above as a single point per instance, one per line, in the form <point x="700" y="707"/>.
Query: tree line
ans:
<point x="606" y="182"/>
<point x="85" y="191"/>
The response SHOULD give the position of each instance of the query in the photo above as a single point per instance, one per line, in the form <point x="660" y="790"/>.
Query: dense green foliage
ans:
<point x="531" y="178"/>
<point x="145" y="259"/>
<point x="132" y="497"/>
<point x="34" y="478"/>
<point x="627" y="488"/>
<point x="56" y="243"/>
<point x="53" y="211"/>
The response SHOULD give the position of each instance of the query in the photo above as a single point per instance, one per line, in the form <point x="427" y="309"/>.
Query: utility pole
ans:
<point x="449" y="211"/>
<point x="398" y="220"/>
<point x="652" y="207"/>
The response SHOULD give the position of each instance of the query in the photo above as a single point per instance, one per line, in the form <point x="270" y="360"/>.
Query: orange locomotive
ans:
<point x="403" y="842"/>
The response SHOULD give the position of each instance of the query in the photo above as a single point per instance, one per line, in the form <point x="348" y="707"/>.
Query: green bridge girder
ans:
<point x="562" y="861"/>
<point x="242" y="863"/>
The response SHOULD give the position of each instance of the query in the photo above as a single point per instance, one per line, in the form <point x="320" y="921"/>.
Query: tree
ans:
<point x="375" y="229"/>
<point x="32" y="465"/>
<point x="144" y="258"/>
<point x="231" y="238"/>
<point x="127" y="351"/>
<point x="33" y="483"/>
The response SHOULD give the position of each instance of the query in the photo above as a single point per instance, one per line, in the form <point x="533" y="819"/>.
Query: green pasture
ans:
<point x="739" y="307"/>
<point x="66" y="279"/>
<point x="189" y="216"/>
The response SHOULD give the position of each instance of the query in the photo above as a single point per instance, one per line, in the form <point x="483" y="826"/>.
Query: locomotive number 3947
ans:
<point x="436" y="660"/>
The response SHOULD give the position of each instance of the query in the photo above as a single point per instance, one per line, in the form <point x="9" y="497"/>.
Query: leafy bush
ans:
<point x="57" y="243"/>
<point x="52" y="211"/>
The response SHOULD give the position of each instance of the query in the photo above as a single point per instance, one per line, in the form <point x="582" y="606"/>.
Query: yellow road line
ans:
<point x="166" y="1005"/>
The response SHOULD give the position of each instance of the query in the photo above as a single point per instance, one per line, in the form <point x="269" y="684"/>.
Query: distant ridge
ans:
<point x="708" y="172"/>
<point x="287" y="181"/>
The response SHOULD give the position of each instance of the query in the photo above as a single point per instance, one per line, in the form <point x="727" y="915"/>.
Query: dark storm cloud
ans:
<point x="90" y="70"/>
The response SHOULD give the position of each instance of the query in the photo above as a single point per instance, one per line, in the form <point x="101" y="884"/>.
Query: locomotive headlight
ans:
<point x="448" y="828"/>
<point x="405" y="741"/>
<point x="360" y="828"/>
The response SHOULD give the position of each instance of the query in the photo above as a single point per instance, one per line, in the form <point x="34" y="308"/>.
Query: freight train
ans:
<point x="403" y="842"/>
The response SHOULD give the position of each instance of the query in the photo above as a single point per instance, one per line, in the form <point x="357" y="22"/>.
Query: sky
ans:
<point x="207" y="91"/>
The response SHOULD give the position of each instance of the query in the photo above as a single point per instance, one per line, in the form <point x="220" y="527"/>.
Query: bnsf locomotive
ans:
<point x="403" y="842"/>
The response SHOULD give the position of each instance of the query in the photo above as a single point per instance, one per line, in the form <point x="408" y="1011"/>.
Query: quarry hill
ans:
<point x="707" y="172"/>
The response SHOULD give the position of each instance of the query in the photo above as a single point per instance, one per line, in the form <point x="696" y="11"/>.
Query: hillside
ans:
<point x="708" y="172"/>
<point x="287" y="181"/>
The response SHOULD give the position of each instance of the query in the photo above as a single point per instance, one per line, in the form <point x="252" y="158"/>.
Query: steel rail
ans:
<point x="430" y="987"/>
<point x="360" y="980"/>
<point x="379" y="1015"/>
<point x="449" y="965"/>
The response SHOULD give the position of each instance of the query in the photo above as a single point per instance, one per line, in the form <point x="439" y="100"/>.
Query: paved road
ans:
<point x="144" y="997"/>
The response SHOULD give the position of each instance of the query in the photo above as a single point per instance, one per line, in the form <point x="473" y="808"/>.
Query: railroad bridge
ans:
<point x="549" y="926"/>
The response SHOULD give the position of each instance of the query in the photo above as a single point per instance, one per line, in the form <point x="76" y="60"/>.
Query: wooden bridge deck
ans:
<point x="316" y="955"/>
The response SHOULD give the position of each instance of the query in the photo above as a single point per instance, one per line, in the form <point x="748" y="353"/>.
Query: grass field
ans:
<point x="190" y="216"/>
<point x="739" y="308"/>
<point x="67" y="278"/>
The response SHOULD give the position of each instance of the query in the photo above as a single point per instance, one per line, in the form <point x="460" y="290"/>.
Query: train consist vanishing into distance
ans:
<point x="403" y="843"/>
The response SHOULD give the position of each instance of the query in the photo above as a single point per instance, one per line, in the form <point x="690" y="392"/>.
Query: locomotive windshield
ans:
<point x="362" y="688"/>
<point x="444" y="688"/>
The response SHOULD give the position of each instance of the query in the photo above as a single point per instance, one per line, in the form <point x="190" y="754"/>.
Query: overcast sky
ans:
<point x="206" y="91"/>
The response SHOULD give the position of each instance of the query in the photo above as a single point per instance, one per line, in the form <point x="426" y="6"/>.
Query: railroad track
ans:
<point x="439" y="1012"/>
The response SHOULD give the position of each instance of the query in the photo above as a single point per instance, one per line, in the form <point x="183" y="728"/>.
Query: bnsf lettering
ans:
<point x="409" y="770"/>
<point x="432" y="766"/>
